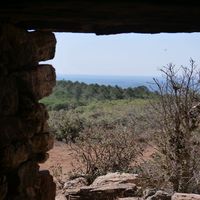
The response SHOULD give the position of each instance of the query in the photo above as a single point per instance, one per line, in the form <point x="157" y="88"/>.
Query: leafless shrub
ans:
<point x="99" y="150"/>
<point x="176" y="127"/>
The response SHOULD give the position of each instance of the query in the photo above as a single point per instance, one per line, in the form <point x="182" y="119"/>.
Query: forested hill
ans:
<point x="68" y="94"/>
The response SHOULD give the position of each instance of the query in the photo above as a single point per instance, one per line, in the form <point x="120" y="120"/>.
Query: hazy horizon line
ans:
<point x="107" y="75"/>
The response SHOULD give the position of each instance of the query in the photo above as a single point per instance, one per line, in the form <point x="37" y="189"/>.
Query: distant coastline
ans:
<point x="121" y="81"/>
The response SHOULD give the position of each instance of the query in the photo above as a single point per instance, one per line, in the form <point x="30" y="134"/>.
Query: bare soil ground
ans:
<point x="61" y="155"/>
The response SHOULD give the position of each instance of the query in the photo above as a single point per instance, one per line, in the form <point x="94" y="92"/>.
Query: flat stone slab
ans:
<point x="131" y="198"/>
<point x="184" y="196"/>
<point x="111" y="186"/>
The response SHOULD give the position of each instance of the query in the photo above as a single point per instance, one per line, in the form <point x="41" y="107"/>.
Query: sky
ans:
<point x="123" y="54"/>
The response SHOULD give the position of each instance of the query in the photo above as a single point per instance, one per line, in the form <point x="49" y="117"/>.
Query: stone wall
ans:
<point x="24" y="134"/>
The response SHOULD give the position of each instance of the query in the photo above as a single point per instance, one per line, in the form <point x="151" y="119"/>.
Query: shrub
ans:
<point x="65" y="125"/>
<point x="176" y="128"/>
<point x="99" y="151"/>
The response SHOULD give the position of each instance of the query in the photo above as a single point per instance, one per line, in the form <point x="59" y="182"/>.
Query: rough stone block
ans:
<point x="34" y="184"/>
<point x="10" y="129"/>
<point x="42" y="142"/>
<point x="110" y="186"/>
<point x="24" y="49"/>
<point x="44" y="44"/>
<point x="29" y="180"/>
<point x="131" y="198"/>
<point x="8" y="97"/>
<point x="29" y="122"/>
<point x="61" y="197"/>
<point x="184" y="196"/>
<point x="37" y="82"/>
<point x="30" y="109"/>
<point x="13" y="155"/>
<point x="13" y="129"/>
<point x="3" y="187"/>
<point x="159" y="195"/>
<point x="76" y="183"/>
<point x="40" y="157"/>
<point x="34" y="116"/>
<point x="47" y="186"/>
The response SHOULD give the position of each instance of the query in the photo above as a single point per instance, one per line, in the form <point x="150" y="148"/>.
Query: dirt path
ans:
<point x="60" y="155"/>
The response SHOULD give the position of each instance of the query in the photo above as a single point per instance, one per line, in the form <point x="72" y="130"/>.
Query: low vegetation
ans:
<point x="69" y="95"/>
<point x="67" y="124"/>
<point x="108" y="128"/>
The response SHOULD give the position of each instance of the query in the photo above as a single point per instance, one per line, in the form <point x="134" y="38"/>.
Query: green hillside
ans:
<point x="68" y="95"/>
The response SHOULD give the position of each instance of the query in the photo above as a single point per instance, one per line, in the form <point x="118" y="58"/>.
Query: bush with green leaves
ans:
<point x="128" y="113"/>
<point x="65" y="125"/>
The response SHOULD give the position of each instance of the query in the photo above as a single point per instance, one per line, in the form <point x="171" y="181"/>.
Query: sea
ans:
<point x="121" y="81"/>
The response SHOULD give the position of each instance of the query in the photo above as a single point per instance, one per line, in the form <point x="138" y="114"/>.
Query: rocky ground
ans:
<point x="113" y="186"/>
<point x="116" y="186"/>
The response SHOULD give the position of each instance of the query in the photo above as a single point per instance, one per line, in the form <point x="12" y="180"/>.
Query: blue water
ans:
<point x="121" y="81"/>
